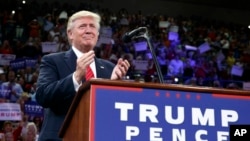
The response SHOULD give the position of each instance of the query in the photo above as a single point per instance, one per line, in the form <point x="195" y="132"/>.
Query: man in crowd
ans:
<point x="11" y="90"/>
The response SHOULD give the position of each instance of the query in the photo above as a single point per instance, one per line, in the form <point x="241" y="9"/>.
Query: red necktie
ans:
<point x="89" y="73"/>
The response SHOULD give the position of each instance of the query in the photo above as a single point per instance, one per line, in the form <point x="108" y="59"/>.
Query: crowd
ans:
<point x="224" y="63"/>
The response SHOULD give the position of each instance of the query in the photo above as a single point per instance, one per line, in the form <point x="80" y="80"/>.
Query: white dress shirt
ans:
<point x="92" y="66"/>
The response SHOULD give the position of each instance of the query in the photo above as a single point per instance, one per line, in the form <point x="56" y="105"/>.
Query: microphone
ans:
<point x="128" y="36"/>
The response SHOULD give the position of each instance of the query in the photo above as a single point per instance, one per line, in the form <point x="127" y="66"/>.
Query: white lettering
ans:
<point x="222" y="136"/>
<point x="179" y="135"/>
<point x="124" y="107"/>
<point x="237" y="132"/>
<point x="131" y="131"/>
<point x="169" y="116"/>
<point x="148" y="111"/>
<point x="207" y="119"/>
<point x="198" y="135"/>
<point x="240" y="132"/>
<point x="155" y="134"/>
<point x="243" y="131"/>
<point x="228" y="116"/>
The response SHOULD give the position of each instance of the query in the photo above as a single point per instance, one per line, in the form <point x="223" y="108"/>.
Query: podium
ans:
<point x="126" y="110"/>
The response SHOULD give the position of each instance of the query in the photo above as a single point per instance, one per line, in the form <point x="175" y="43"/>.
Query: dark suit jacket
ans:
<point x="55" y="89"/>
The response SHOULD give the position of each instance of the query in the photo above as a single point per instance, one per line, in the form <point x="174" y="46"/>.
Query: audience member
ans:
<point x="6" y="48"/>
<point x="2" y="137"/>
<point x="11" y="132"/>
<point x="175" y="67"/>
<point x="31" y="132"/>
<point x="12" y="90"/>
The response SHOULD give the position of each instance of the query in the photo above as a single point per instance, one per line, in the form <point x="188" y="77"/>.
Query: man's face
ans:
<point x="8" y="128"/>
<point x="84" y="34"/>
<point x="11" y="76"/>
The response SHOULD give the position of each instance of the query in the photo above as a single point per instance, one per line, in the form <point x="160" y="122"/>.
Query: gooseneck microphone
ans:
<point x="136" y="33"/>
<point x="128" y="36"/>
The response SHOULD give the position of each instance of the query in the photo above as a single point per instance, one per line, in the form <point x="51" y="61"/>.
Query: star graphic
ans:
<point x="188" y="96"/>
<point x="198" y="97"/>
<point x="157" y="93"/>
<point x="178" y="95"/>
<point x="167" y="94"/>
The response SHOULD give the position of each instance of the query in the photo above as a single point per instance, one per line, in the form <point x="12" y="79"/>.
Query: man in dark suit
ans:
<point x="61" y="74"/>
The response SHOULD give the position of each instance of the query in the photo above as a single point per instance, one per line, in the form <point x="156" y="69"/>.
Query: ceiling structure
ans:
<point x="240" y="4"/>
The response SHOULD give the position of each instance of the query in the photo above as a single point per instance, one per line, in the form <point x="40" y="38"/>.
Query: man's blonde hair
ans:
<point x="81" y="14"/>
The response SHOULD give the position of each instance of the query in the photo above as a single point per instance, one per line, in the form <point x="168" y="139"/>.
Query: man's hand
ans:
<point x="120" y="69"/>
<point x="82" y="63"/>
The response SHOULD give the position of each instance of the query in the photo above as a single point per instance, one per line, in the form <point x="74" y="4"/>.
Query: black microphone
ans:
<point x="127" y="37"/>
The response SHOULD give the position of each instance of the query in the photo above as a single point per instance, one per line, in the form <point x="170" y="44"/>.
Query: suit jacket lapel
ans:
<point x="70" y="59"/>
<point x="100" y="68"/>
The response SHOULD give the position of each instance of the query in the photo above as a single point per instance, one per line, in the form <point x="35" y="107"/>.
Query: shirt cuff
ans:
<point x="76" y="85"/>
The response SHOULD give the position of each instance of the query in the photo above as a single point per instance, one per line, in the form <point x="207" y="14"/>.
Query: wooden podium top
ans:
<point x="132" y="84"/>
<point x="180" y="87"/>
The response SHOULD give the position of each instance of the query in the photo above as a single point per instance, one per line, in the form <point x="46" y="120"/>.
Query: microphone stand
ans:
<point x="158" y="69"/>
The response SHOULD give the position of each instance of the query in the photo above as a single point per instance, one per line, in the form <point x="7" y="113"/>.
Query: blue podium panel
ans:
<point x="143" y="114"/>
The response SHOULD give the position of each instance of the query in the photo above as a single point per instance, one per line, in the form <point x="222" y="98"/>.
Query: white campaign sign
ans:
<point x="10" y="111"/>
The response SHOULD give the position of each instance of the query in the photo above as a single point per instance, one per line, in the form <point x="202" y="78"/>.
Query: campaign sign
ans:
<point x="6" y="58"/>
<point x="21" y="63"/>
<point x="10" y="111"/>
<point x="140" y="64"/>
<point x="17" y="64"/>
<point x="144" y="114"/>
<point x="32" y="108"/>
